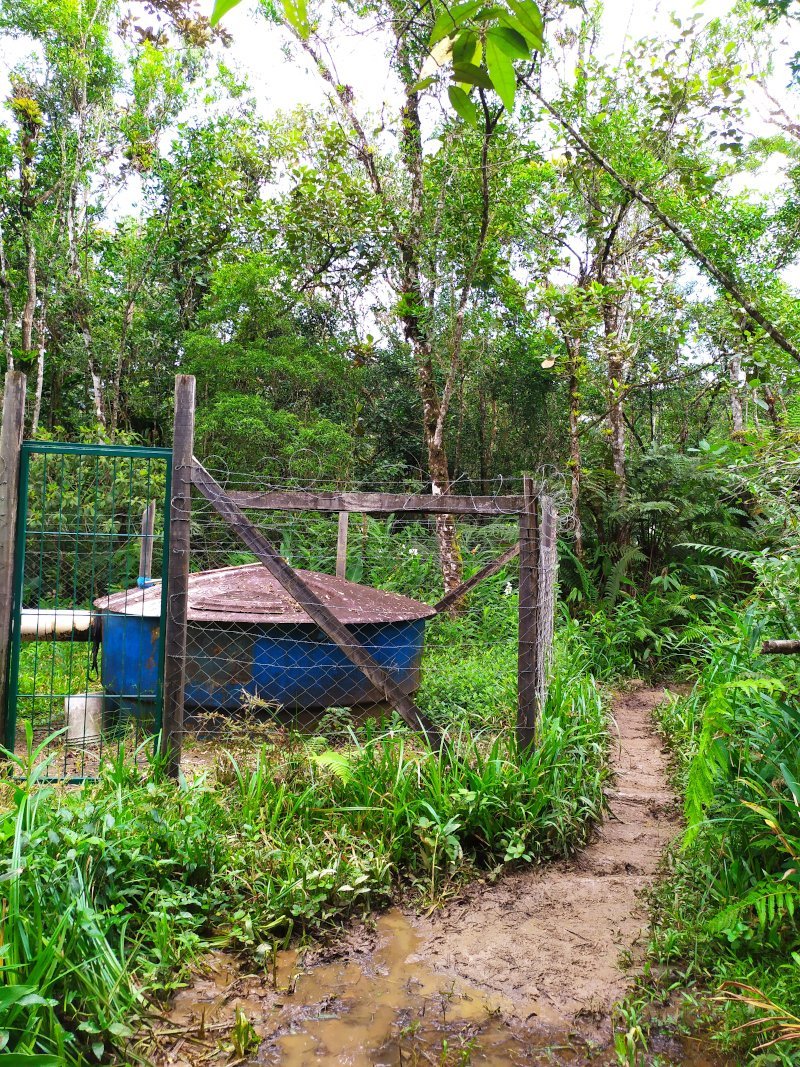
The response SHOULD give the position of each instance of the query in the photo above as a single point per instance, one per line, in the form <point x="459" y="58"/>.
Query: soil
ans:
<point x="559" y="940"/>
<point x="521" y="971"/>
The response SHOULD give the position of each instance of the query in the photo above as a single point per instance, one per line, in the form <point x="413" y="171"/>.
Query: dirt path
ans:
<point x="516" y="973"/>
<point x="551" y="939"/>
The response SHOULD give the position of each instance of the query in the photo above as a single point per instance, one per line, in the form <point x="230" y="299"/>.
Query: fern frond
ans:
<point x="630" y="555"/>
<point x="721" y="551"/>
<point x="772" y="903"/>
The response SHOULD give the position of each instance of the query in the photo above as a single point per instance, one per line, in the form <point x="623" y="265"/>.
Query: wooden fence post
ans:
<point x="341" y="544"/>
<point x="548" y="582"/>
<point x="179" y="549"/>
<point x="11" y="432"/>
<point x="528" y="664"/>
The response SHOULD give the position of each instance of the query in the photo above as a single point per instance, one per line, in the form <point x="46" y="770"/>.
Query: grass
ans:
<point x="109" y="891"/>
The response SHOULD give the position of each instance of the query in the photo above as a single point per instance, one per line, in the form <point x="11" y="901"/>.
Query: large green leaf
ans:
<point x="31" y="1059"/>
<point x="449" y="21"/>
<point x="467" y="49"/>
<point x="11" y="994"/>
<point x="423" y="83"/>
<point x="511" y="22"/>
<point x="462" y="105"/>
<point x="296" y="12"/>
<point x="510" y="41"/>
<point x="531" y="21"/>
<point x="501" y="70"/>
<point x="472" y="75"/>
<point x="222" y="7"/>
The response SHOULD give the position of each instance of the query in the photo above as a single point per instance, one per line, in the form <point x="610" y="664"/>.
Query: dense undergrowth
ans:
<point x="726" y="916"/>
<point x="111" y="890"/>
<point x="725" y="932"/>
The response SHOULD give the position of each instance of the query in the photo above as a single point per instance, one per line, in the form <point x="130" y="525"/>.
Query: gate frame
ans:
<point x="17" y="539"/>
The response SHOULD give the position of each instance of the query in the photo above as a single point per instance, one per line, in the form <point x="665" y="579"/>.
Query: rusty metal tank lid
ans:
<point x="249" y="594"/>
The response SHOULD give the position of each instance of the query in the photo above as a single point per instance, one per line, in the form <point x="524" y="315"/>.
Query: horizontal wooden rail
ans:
<point x="375" y="503"/>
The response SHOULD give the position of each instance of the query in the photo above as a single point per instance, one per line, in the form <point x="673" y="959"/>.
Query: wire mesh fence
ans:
<point x="72" y="701"/>
<point x="87" y="659"/>
<point x="253" y="655"/>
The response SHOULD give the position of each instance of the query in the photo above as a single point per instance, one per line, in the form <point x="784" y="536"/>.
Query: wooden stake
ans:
<point x="790" y="647"/>
<point x="341" y="544"/>
<point x="146" y="549"/>
<point x="548" y="569"/>
<point x="316" y="610"/>
<point x="528" y="663"/>
<point x="10" y="443"/>
<point x="179" y="549"/>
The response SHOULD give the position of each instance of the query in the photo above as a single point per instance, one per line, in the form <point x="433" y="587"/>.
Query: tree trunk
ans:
<point x="772" y="409"/>
<point x="41" y="329"/>
<point x="612" y="322"/>
<point x="438" y="468"/>
<point x="434" y="408"/>
<point x="97" y="381"/>
<point x="29" y="308"/>
<point x="736" y="396"/>
<point x="573" y="349"/>
<point x="116" y="387"/>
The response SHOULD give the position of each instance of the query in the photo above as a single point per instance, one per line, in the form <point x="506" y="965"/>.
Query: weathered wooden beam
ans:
<point x="316" y="610"/>
<point x="528" y="669"/>
<point x="781" y="648"/>
<point x="485" y="572"/>
<point x="341" y="544"/>
<point x="178" y="553"/>
<point x="548" y="577"/>
<point x="10" y="444"/>
<point x="376" y="503"/>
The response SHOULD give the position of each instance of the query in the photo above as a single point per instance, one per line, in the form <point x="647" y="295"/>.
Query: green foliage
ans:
<point x="108" y="892"/>
<point x="482" y="43"/>
<point x="733" y="891"/>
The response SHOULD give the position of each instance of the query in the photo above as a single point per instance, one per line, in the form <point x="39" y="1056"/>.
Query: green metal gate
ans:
<point x="90" y="518"/>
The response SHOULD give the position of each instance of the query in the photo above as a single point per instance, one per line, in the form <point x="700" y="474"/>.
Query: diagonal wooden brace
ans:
<point x="317" y="611"/>
<point x="485" y="572"/>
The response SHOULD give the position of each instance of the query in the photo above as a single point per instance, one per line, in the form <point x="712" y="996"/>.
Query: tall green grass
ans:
<point x="729" y="911"/>
<point x="108" y="892"/>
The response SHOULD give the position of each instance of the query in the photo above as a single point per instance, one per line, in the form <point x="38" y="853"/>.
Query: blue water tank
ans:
<point x="247" y="638"/>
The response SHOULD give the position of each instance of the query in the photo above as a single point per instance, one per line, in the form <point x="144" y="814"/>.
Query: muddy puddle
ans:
<point x="369" y="1002"/>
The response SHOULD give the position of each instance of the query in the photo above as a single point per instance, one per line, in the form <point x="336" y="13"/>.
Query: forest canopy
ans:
<point x="563" y="260"/>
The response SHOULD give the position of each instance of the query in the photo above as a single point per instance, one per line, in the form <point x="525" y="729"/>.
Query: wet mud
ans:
<point x="521" y="971"/>
<point x="562" y="940"/>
